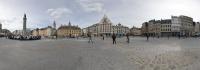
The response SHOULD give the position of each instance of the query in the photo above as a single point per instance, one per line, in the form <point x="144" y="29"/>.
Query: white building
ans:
<point x="106" y="27"/>
<point x="196" y="28"/>
<point x="182" y="25"/>
<point x="120" y="30"/>
<point x="176" y="25"/>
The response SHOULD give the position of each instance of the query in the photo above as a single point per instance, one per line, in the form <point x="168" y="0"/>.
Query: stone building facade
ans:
<point x="69" y="31"/>
<point x="105" y="27"/>
<point x="44" y="32"/>
<point x="177" y="25"/>
<point x="134" y="31"/>
<point x="120" y="30"/>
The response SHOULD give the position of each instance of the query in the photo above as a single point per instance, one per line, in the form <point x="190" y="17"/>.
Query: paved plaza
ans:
<point x="78" y="54"/>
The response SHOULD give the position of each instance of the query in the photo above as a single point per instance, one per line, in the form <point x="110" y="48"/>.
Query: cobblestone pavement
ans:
<point x="78" y="54"/>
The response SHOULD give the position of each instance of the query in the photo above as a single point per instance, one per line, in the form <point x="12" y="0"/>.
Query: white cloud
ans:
<point x="92" y="5"/>
<point x="11" y="23"/>
<point x="59" y="12"/>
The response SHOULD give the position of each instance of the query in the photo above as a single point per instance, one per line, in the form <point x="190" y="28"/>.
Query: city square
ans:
<point x="78" y="54"/>
<point x="99" y="35"/>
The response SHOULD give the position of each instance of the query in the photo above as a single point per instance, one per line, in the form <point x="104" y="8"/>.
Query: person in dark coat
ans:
<point x="179" y="36"/>
<point x="127" y="37"/>
<point x="103" y="37"/>
<point x="147" y="35"/>
<point x="114" y="38"/>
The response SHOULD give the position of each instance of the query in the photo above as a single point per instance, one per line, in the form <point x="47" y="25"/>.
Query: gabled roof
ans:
<point x="69" y="27"/>
<point x="105" y="20"/>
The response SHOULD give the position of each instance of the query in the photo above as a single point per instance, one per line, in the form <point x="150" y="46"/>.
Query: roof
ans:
<point x="167" y="21"/>
<point x="69" y="27"/>
<point x="45" y="28"/>
<point x="105" y="19"/>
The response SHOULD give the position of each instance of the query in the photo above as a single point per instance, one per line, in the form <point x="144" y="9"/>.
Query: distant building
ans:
<point x="5" y="32"/>
<point x="17" y="32"/>
<point x="177" y="25"/>
<point x="68" y="31"/>
<point x="182" y="24"/>
<point x="152" y="28"/>
<point x="120" y="30"/>
<point x="135" y="31"/>
<point x="46" y="32"/>
<point x="105" y="27"/>
<point x="21" y="32"/>
<point x="35" y="32"/>
<point x="196" y="28"/>
<point x="166" y="26"/>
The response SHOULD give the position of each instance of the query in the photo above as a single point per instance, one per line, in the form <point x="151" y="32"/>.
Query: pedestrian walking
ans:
<point x="127" y="37"/>
<point x="103" y="37"/>
<point x="179" y="36"/>
<point x="147" y="37"/>
<point x="90" y="38"/>
<point x="114" y="38"/>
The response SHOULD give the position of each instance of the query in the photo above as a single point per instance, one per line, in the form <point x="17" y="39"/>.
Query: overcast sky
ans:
<point x="41" y="13"/>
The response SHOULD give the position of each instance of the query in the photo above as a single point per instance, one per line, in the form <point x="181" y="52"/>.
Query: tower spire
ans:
<point x="105" y="16"/>
<point x="69" y="23"/>
<point x="54" y="24"/>
<point x="24" y="15"/>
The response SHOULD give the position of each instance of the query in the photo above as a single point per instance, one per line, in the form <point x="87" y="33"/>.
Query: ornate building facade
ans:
<point x="120" y="30"/>
<point x="68" y="31"/>
<point x="105" y="27"/>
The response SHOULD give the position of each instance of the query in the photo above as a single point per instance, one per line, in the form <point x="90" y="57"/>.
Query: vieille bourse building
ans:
<point x="68" y="31"/>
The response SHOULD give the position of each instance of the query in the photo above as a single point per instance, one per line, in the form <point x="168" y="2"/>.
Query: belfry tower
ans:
<point x="24" y="24"/>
